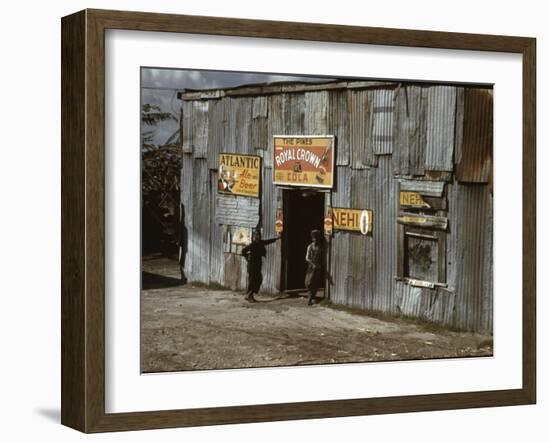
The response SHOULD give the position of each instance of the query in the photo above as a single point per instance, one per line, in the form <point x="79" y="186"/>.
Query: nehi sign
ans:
<point x="354" y="220"/>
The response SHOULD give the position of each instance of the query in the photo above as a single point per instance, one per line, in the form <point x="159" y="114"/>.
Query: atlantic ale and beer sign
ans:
<point x="239" y="174"/>
<point x="305" y="161"/>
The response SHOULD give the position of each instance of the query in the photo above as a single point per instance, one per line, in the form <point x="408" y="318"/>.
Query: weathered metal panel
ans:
<point x="199" y="236"/>
<point x="259" y="123"/>
<point x="272" y="261"/>
<point x="470" y="255"/>
<point x="475" y="162"/>
<point x="275" y="125"/>
<point x="188" y="200"/>
<point x="316" y="113"/>
<point x="237" y="210"/>
<point x="428" y="188"/>
<point x="216" y="132"/>
<point x="243" y="130"/>
<point x="360" y="281"/>
<point x="409" y="130"/>
<point x="435" y="305"/>
<point x="338" y="125"/>
<point x="383" y="201"/>
<point x="381" y="134"/>
<point x="440" y="127"/>
<point x="341" y="240"/>
<point x="360" y="110"/>
<point x="187" y="126"/>
<point x="200" y="128"/>
<point x="217" y="261"/>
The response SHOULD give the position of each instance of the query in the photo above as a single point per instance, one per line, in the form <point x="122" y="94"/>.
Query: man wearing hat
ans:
<point x="254" y="252"/>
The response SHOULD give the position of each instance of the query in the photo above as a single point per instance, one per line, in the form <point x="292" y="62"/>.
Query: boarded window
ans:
<point x="422" y="233"/>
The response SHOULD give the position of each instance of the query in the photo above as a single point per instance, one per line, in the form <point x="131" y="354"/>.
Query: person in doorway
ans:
<point x="314" y="260"/>
<point x="254" y="253"/>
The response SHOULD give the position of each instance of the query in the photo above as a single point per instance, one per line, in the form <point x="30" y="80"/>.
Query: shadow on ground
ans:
<point x="151" y="281"/>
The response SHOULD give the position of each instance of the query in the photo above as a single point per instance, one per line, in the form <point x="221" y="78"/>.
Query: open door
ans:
<point x="303" y="212"/>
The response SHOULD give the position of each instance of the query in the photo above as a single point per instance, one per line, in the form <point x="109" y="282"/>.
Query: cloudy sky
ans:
<point x="160" y="86"/>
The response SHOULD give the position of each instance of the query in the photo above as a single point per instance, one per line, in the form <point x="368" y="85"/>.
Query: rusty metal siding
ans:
<point x="341" y="241"/>
<point x="188" y="200"/>
<point x="272" y="261"/>
<point x="237" y="210"/>
<point x="358" y="255"/>
<point x="216" y="236"/>
<point x="187" y="126"/>
<point x="476" y="151"/>
<point x="338" y="125"/>
<point x="409" y="130"/>
<point x="216" y="132"/>
<point x="200" y="128"/>
<point x="381" y="134"/>
<point x="199" y="234"/>
<point x="435" y="305"/>
<point x="360" y="110"/>
<point x="440" y="127"/>
<point x="275" y="125"/>
<point x="316" y="113"/>
<point x="470" y="255"/>
<point x="259" y="123"/>
<point x="382" y="200"/>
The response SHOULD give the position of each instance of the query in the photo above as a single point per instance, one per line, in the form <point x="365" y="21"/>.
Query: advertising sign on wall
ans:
<point x="304" y="161"/>
<point x="353" y="220"/>
<point x="239" y="174"/>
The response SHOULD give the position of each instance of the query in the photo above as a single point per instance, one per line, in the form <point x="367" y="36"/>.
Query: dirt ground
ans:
<point x="185" y="327"/>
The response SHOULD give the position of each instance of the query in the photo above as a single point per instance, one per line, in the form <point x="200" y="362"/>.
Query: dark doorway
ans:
<point x="303" y="212"/>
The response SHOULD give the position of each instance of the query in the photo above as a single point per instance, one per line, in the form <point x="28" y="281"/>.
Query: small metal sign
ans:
<point x="412" y="199"/>
<point x="305" y="161"/>
<point x="239" y="174"/>
<point x="242" y="236"/>
<point x="328" y="222"/>
<point x="354" y="220"/>
<point x="279" y="221"/>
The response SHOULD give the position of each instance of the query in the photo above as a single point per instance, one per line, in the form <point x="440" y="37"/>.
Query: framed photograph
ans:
<point x="267" y="221"/>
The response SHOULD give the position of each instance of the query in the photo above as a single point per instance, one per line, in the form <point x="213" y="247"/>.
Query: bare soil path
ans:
<point x="195" y="328"/>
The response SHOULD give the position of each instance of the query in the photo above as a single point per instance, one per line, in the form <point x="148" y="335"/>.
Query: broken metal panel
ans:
<point x="199" y="234"/>
<point x="470" y="256"/>
<point x="435" y="305"/>
<point x="360" y="110"/>
<point x="316" y="113"/>
<point x="216" y="132"/>
<point x="475" y="162"/>
<point x="409" y="130"/>
<point x="340" y="245"/>
<point x="275" y="125"/>
<point x="425" y="188"/>
<point x="338" y="125"/>
<point x="187" y="126"/>
<point x="440" y="127"/>
<point x="381" y="133"/>
<point x="237" y="210"/>
<point x="200" y="129"/>
<point x="243" y="129"/>
<point x="188" y="200"/>
<point x="382" y="193"/>
<point x="272" y="261"/>
<point x="217" y="237"/>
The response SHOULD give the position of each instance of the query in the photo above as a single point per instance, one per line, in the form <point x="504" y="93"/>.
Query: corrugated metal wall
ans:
<point x="384" y="134"/>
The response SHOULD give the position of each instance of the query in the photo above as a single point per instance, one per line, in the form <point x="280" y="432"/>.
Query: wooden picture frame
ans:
<point x="83" y="220"/>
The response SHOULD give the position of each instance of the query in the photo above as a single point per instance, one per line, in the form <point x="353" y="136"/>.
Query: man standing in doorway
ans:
<point x="314" y="260"/>
<point x="254" y="252"/>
